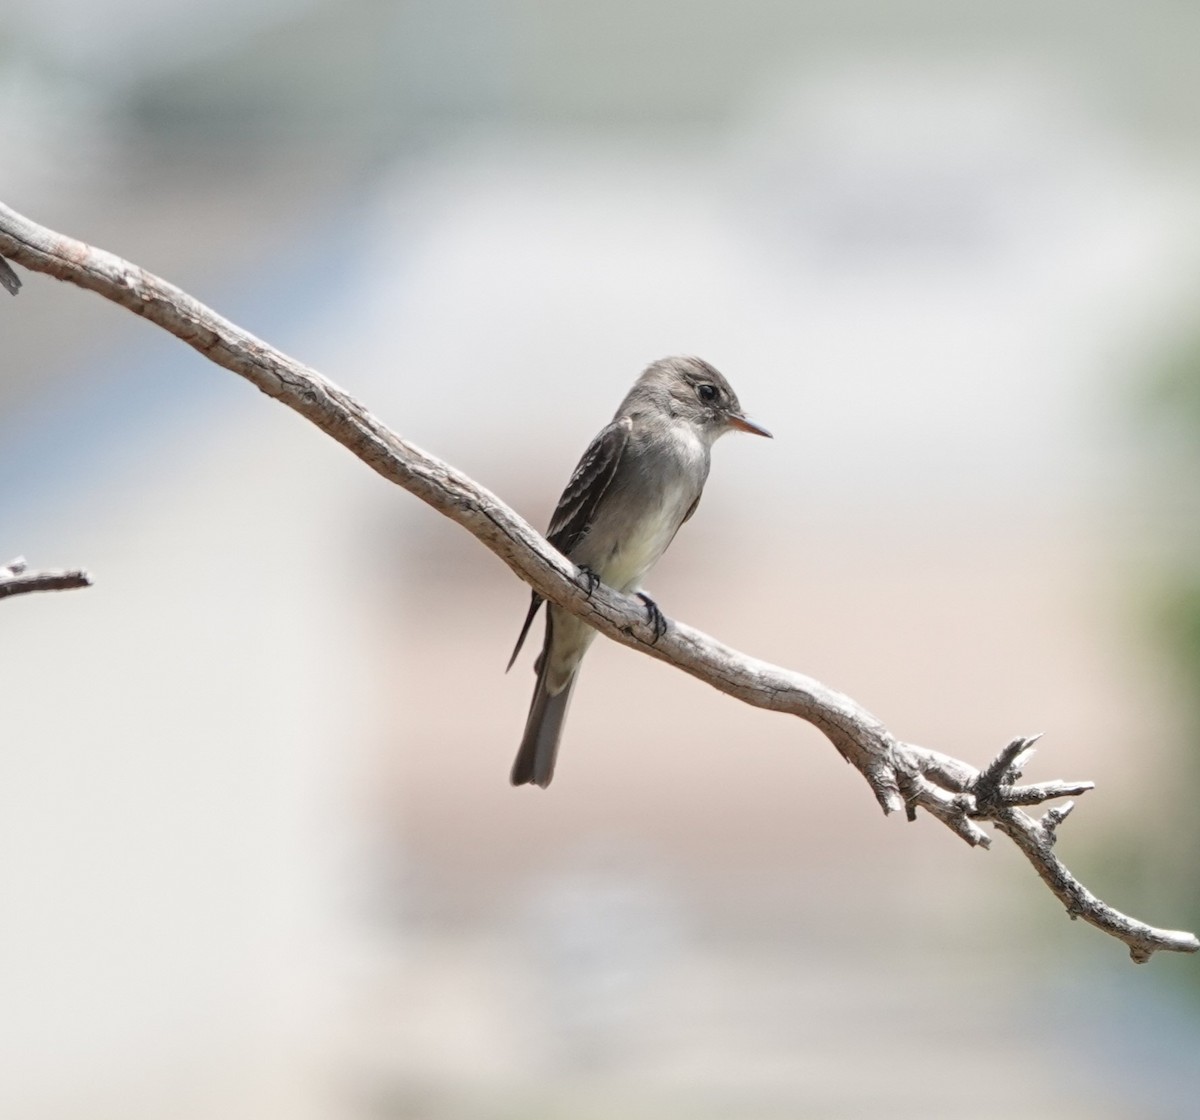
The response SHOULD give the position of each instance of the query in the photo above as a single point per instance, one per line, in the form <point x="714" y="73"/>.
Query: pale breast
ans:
<point x="642" y="519"/>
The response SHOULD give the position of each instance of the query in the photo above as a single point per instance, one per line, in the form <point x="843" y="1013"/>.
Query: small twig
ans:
<point x="9" y="280"/>
<point x="1044" y="791"/>
<point x="1052" y="818"/>
<point x="1001" y="773"/>
<point x="901" y="776"/>
<point x="15" y="579"/>
<point x="1036" y="839"/>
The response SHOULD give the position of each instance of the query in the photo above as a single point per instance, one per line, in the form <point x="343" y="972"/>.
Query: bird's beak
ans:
<point x="745" y="424"/>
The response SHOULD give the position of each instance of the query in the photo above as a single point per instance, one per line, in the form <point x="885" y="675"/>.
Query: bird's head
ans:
<point x="691" y="389"/>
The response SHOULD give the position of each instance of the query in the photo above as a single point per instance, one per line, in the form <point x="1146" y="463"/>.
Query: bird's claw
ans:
<point x="653" y="615"/>
<point x="589" y="579"/>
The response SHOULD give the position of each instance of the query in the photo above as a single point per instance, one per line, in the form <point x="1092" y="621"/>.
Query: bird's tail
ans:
<point x="539" y="745"/>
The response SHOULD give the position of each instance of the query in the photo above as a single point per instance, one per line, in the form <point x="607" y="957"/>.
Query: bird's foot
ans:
<point x="653" y="615"/>
<point x="588" y="579"/>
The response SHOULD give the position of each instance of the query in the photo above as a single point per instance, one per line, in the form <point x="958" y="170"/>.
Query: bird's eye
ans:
<point x="706" y="392"/>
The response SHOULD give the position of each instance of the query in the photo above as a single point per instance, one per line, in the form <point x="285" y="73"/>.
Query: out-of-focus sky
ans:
<point x="259" y="854"/>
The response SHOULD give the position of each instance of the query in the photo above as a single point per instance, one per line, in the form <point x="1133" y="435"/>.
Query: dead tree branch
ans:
<point x="902" y="776"/>
<point x="16" y="579"/>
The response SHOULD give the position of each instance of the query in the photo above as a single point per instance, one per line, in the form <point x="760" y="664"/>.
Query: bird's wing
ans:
<point x="577" y="506"/>
<point x="686" y="518"/>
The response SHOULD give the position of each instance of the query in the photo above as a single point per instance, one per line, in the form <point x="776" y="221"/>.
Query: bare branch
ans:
<point x="1036" y="838"/>
<point x="901" y="776"/>
<point x="15" y="579"/>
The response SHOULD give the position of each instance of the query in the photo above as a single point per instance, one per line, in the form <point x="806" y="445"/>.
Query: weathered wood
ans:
<point x="16" y="579"/>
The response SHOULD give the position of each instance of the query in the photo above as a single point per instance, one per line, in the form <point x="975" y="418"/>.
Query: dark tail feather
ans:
<point x="543" y="729"/>
<point x="533" y="609"/>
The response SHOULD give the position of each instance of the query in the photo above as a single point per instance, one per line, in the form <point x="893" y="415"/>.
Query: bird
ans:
<point x="639" y="480"/>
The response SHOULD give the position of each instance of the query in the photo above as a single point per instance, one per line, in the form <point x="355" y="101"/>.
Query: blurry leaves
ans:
<point x="1178" y="623"/>
<point x="1173" y="394"/>
<point x="1173" y="400"/>
<point x="1171" y="412"/>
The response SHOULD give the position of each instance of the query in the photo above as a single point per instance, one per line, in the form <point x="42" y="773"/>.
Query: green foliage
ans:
<point x="1175" y="390"/>
<point x="1179" y="626"/>
<point x="1174" y="400"/>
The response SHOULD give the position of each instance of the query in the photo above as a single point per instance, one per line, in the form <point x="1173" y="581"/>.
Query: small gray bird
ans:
<point x="640" y="479"/>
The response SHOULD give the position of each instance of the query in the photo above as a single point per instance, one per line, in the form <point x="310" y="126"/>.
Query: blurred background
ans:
<point x="258" y="852"/>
